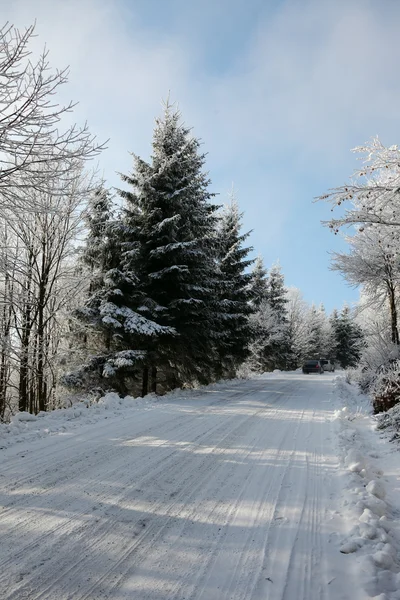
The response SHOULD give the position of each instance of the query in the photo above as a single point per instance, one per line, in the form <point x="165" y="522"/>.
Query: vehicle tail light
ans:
<point x="317" y="366"/>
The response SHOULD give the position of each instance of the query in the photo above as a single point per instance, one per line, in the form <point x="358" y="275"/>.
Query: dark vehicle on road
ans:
<point x="327" y="365"/>
<point x="313" y="366"/>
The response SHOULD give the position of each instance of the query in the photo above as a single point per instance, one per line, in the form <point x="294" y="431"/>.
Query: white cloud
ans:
<point x="316" y="77"/>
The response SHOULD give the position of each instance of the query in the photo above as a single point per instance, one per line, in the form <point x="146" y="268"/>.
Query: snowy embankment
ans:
<point x="25" y="427"/>
<point x="370" y="511"/>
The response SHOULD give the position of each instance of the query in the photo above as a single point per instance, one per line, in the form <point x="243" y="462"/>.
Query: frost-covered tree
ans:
<point x="236" y="287"/>
<point x="333" y="341"/>
<point x="372" y="207"/>
<point x="38" y="285"/>
<point x="371" y="197"/>
<point x="373" y="262"/>
<point x="36" y="152"/>
<point x="170" y="222"/>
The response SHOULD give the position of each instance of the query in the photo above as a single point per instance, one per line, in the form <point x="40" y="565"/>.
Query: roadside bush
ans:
<point x="385" y="390"/>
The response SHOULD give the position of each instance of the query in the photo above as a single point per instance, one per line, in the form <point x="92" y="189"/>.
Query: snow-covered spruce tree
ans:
<point x="298" y="326"/>
<point x="169" y="217"/>
<point x="259" y="282"/>
<point x="117" y="337"/>
<point x="319" y="340"/>
<point x="270" y="347"/>
<point x="280" y="350"/>
<point x="349" y="339"/>
<point x="99" y="216"/>
<point x="234" y="291"/>
<point x="333" y="341"/>
<point x="276" y="292"/>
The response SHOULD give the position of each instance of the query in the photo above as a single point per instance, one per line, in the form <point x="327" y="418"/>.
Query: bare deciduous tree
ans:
<point x="32" y="132"/>
<point x="38" y="265"/>
<point x="372" y="196"/>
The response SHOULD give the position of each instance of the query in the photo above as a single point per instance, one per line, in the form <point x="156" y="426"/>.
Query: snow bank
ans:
<point x="26" y="427"/>
<point x="370" y="503"/>
<point x="23" y="416"/>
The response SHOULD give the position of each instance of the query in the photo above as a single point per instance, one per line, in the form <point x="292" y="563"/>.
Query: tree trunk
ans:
<point x="393" y="315"/>
<point x="41" y="342"/>
<point x="26" y="328"/>
<point x="5" y="334"/>
<point x="3" y="383"/>
<point x="171" y="380"/>
<point x="145" y="381"/>
<point x="23" y="371"/>
<point x="154" y="380"/>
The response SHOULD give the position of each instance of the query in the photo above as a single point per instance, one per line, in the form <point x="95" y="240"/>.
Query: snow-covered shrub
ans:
<point x="385" y="390"/>
<point x="390" y="420"/>
<point x="379" y="352"/>
<point x="244" y="371"/>
<point x="350" y="376"/>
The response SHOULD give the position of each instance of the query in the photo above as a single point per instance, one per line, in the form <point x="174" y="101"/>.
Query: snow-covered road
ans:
<point x="225" y="494"/>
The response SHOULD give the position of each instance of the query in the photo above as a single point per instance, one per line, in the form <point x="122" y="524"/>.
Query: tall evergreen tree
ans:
<point x="318" y="339"/>
<point x="276" y="292"/>
<point x="99" y="215"/>
<point x="117" y="335"/>
<point x="277" y="299"/>
<point x="271" y="348"/>
<point x="169" y="223"/>
<point x="349" y="339"/>
<point x="333" y="341"/>
<point x="234" y="290"/>
<point x="258" y="282"/>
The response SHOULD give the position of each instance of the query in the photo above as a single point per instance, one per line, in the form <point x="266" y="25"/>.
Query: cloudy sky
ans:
<point x="278" y="91"/>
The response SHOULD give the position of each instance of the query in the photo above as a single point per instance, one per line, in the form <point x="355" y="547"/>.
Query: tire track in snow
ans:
<point x="188" y="425"/>
<point x="178" y="590"/>
<point x="294" y="548"/>
<point x="205" y="437"/>
<point x="141" y="552"/>
<point x="212" y="482"/>
<point x="123" y="480"/>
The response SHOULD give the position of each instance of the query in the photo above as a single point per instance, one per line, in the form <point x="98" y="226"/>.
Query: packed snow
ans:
<point x="370" y="506"/>
<point x="277" y="487"/>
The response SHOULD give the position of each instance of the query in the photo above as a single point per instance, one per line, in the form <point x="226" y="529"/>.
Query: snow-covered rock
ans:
<point x="376" y="488"/>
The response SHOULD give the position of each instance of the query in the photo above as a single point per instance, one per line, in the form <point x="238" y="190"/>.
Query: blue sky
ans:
<point x="278" y="91"/>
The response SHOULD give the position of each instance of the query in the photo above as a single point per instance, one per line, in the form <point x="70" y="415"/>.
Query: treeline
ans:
<point x="172" y="297"/>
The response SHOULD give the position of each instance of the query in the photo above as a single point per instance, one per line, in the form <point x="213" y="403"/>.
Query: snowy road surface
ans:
<point x="226" y="494"/>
